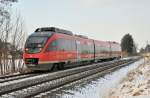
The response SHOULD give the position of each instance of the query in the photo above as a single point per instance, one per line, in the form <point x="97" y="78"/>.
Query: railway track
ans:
<point x="9" y="76"/>
<point x="17" y="77"/>
<point x="32" y="86"/>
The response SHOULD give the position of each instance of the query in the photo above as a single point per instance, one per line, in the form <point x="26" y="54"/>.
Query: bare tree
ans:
<point x="5" y="29"/>
<point x="4" y="15"/>
<point x="12" y="38"/>
<point x="17" y="39"/>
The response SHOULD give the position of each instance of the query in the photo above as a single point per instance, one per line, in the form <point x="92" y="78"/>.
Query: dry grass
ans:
<point x="136" y="83"/>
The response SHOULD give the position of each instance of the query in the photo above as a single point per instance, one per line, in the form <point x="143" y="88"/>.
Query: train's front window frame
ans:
<point x="34" y="44"/>
<point x="36" y="41"/>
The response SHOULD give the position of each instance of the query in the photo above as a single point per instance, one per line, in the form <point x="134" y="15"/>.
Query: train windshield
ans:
<point x="35" y="43"/>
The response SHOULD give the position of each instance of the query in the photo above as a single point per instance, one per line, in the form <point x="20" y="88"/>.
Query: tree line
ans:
<point x="128" y="46"/>
<point x="12" y="38"/>
<point x="146" y="49"/>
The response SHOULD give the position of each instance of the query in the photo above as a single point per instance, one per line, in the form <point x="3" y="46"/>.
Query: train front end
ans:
<point x="34" y="54"/>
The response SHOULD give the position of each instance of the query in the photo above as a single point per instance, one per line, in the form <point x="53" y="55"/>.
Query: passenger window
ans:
<point x="65" y="44"/>
<point x="61" y="44"/>
<point x="53" y="43"/>
<point x="52" y="46"/>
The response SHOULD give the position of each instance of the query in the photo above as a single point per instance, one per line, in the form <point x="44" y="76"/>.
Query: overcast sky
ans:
<point x="97" y="19"/>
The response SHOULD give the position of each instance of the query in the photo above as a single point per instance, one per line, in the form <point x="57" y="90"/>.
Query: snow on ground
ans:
<point x="135" y="85"/>
<point x="100" y="86"/>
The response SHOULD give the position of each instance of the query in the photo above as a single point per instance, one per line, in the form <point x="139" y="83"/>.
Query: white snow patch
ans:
<point x="101" y="87"/>
<point x="135" y="85"/>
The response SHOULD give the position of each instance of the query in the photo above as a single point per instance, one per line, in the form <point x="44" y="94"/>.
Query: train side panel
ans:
<point x="102" y="50"/>
<point x="85" y="49"/>
<point x="115" y="50"/>
<point x="66" y="48"/>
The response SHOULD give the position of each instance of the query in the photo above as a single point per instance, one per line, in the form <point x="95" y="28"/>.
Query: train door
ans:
<point x="110" y="49"/>
<point x="94" y="50"/>
<point x="78" y="48"/>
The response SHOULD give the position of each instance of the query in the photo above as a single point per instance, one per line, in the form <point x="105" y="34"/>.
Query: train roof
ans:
<point x="113" y="42"/>
<point x="82" y="36"/>
<point x="48" y="34"/>
<point x="53" y="29"/>
<point x="48" y="31"/>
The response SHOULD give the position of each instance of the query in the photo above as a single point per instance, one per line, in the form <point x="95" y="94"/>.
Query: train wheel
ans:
<point x="60" y="66"/>
<point x="54" y="68"/>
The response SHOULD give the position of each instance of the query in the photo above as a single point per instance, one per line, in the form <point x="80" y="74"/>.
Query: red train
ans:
<point x="52" y="47"/>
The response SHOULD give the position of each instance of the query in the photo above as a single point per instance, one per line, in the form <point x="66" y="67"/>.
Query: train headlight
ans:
<point x="26" y="49"/>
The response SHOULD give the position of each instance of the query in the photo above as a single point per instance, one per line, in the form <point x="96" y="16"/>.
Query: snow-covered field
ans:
<point x="136" y="84"/>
